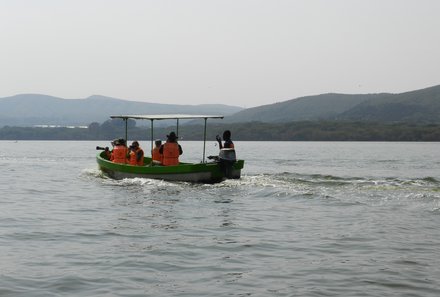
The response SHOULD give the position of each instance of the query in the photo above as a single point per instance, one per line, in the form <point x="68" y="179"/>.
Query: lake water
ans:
<point x="305" y="219"/>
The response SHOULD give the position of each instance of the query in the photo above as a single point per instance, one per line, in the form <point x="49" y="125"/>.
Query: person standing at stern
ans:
<point x="227" y="138"/>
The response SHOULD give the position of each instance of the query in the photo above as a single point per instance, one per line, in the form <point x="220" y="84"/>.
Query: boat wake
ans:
<point x="342" y="190"/>
<point x="92" y="174"/>
<point x="415" y="192"/>
<point x="287" y="178"/>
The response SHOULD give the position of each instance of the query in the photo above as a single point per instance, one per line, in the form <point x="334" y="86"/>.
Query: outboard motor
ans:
<point x="227" y="158"/>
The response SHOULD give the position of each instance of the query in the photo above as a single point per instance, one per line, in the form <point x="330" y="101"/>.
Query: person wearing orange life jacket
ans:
<point x="171" y="150"/>
<point x="136" y="155"/>
<point x="119" y="153"/>
<point x="156" y="156"/>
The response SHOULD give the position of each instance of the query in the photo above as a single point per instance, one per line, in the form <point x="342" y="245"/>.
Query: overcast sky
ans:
<point x="237" y="52"/>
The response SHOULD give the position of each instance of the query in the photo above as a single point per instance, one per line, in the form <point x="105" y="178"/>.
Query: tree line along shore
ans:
<point x="251" y="131"/>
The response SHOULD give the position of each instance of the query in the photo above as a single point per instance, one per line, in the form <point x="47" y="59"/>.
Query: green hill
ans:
<point x="33" y="109"/>
<point x="416" y="106"/>
<point x="320" y="107"/>
<point x="421" y="105"/>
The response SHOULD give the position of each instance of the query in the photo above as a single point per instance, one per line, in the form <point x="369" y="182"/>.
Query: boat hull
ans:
<point x="186" y="172"/>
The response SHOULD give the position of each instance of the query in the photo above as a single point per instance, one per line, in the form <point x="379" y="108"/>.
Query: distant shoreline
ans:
<point x="253" y="131"/>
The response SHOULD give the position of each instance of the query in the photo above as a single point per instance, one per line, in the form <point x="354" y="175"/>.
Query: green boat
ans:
<point x="221" y="167"/>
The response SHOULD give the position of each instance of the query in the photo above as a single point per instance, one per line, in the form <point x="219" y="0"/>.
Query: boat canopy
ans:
<point x="167" y="117"/>
<point x="177" y="117"/>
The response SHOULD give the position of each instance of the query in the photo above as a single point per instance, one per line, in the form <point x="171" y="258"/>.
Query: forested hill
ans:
<point x="320" y="107"/>
<point x="416" y="106"/>
<point x="421" y="105"/>
<point x="33" y="109"/>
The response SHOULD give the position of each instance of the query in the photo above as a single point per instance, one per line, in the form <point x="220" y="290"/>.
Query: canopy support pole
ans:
<point x="152" y="136"/>
<point x="126" y="130"/>
<point x="204" y="141"/>
<point x="177" y="129"/>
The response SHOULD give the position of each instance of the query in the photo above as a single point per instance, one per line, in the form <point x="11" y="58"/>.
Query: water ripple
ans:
<point x="321" y="223"/>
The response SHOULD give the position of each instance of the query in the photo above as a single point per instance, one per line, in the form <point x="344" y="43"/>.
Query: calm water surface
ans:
<point x="306" y="219"/>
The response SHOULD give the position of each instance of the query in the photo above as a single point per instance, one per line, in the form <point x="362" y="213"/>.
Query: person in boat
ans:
<point x="136" y="154"/>
<point x="119" y="153"/>
<point x="108" y="153"/>
<point x="156" y="156"/>
<point x="227" y="138"/>
<point x="171" y="150"/>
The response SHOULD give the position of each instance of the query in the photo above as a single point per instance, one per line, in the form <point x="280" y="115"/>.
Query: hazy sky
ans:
<point x="237" y="52"/>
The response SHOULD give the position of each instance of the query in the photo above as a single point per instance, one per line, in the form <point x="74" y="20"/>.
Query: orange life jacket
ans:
<point x="141" y="161"/>
<point x="119" y="154"/>
<point x="156" y="155"/>
<point x="133" y="157"/>
<point x="170" y="154"/>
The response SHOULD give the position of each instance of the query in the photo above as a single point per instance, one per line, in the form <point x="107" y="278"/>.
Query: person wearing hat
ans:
<point x="156" y="156"/>
<point x="136" y="155"/>
<point x="171" y="150"/>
